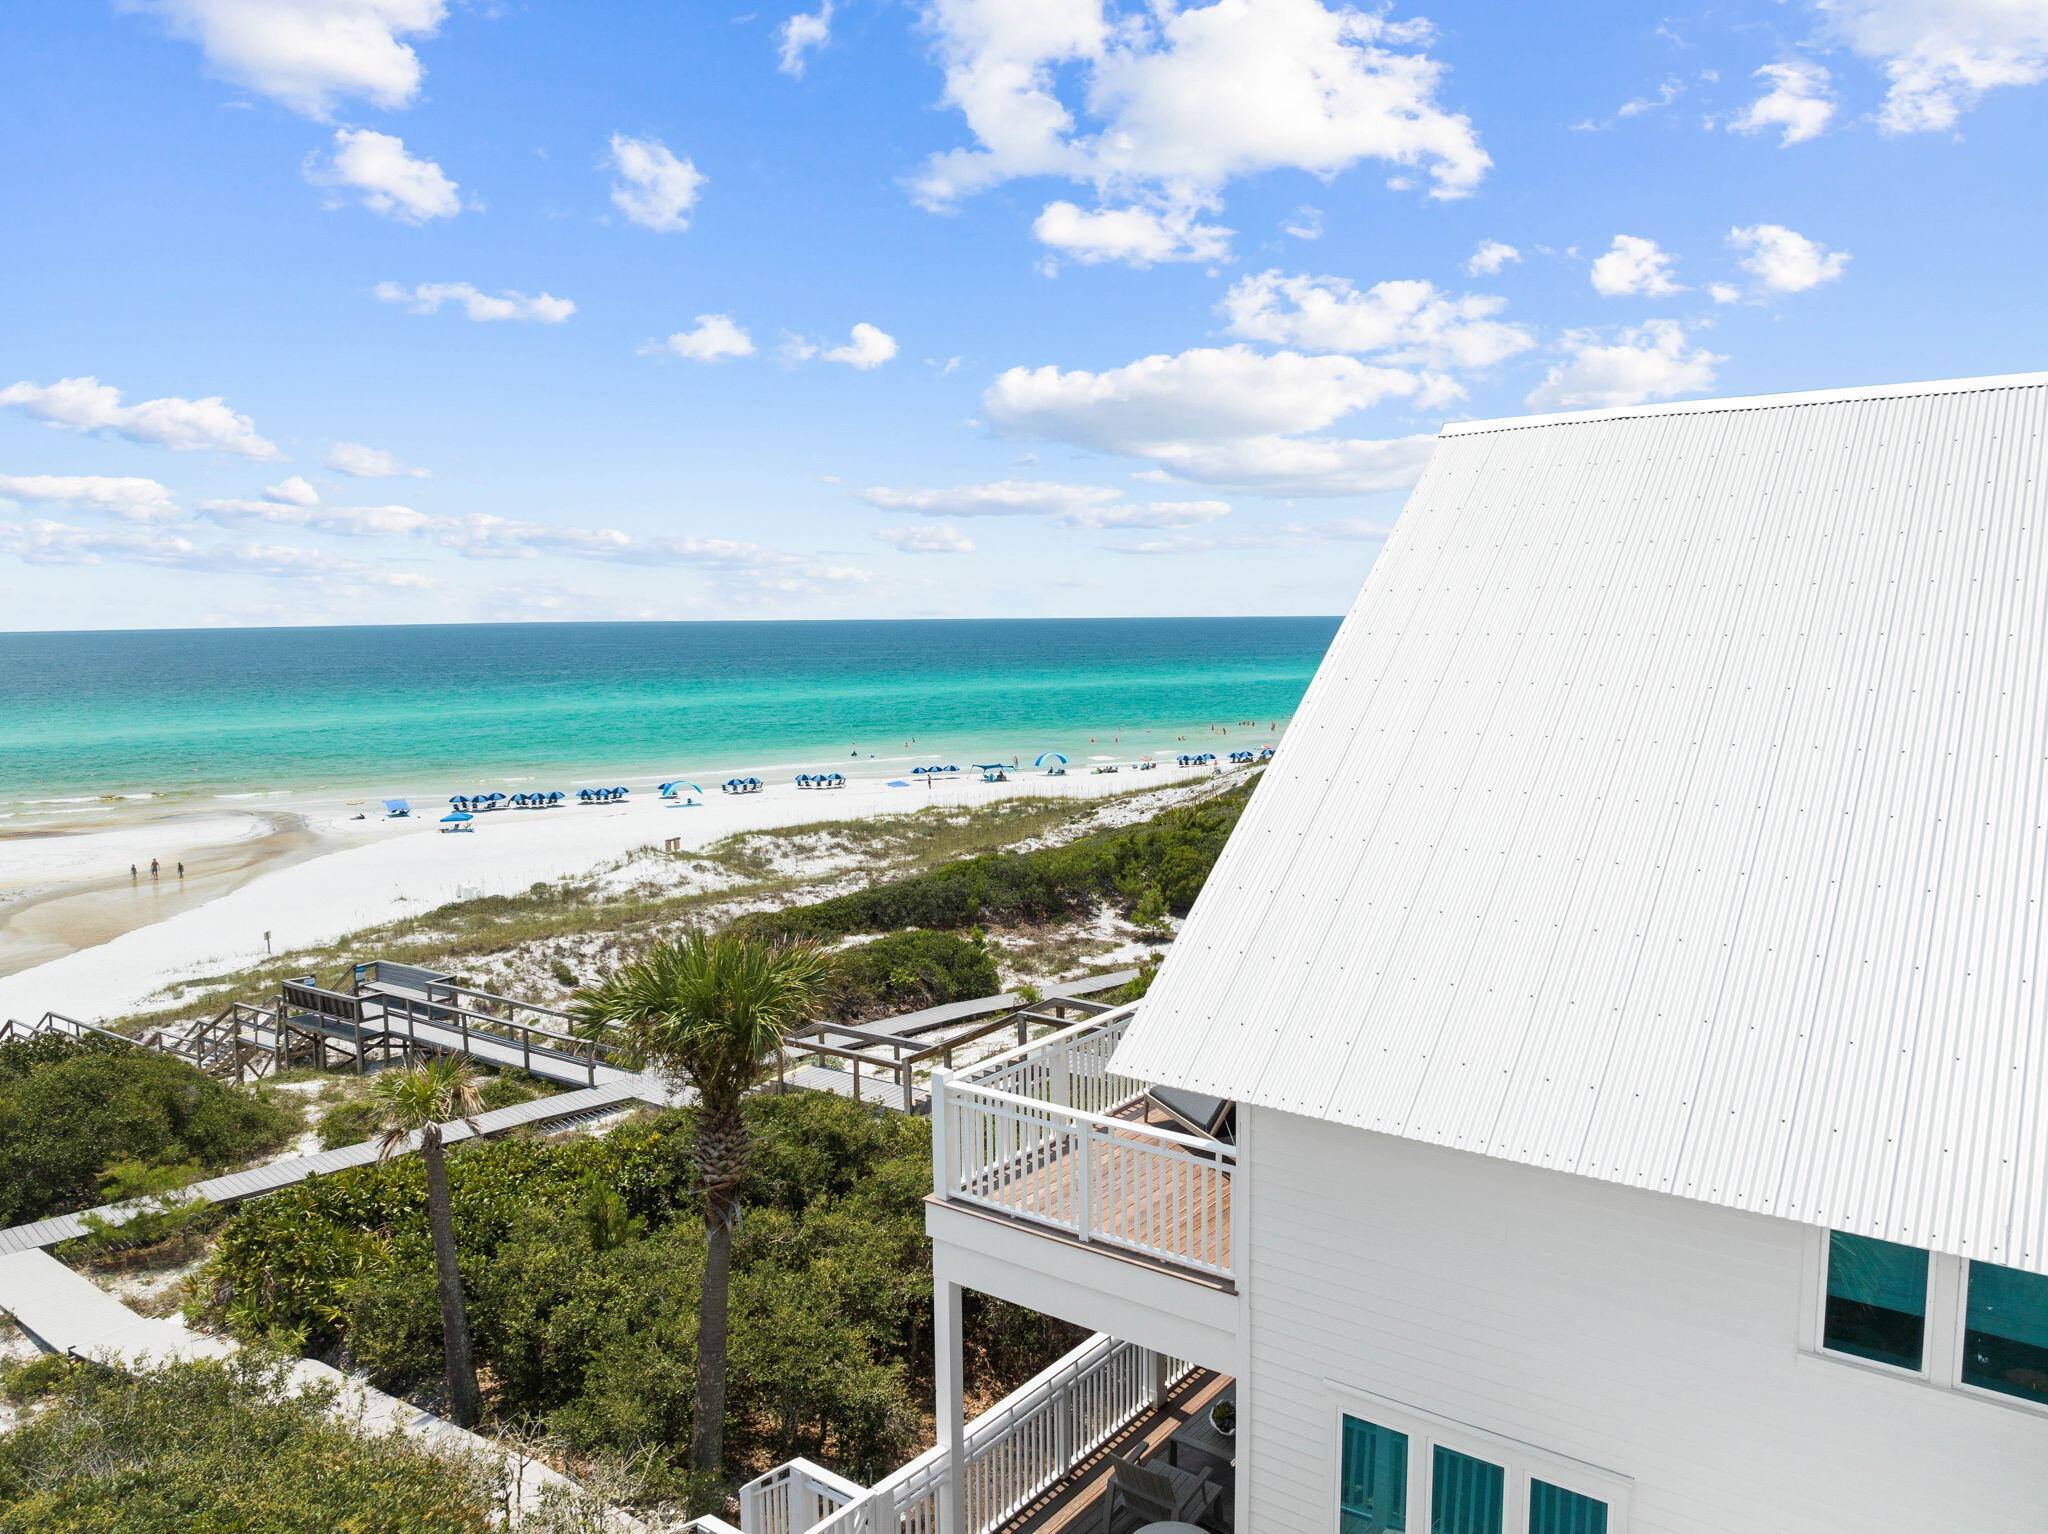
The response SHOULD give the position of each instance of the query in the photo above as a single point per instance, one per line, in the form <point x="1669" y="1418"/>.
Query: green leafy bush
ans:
<point x="1172" y="852"/>
<point x="905" y="971"/>
<point x="213" y="1445"/>
<point x="584" y="1311"/>
<point x="162" y="1211"/>
<point x="69" y="1108"/>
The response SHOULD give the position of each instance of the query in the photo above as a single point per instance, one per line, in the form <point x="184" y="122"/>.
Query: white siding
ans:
<point x="1650" y="1336"/>
<point x="1672" y="809"/>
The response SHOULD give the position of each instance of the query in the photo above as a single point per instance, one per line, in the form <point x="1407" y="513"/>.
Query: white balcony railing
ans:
<point x="1048" y="1134"/>
<point x="1026" y="1443"/>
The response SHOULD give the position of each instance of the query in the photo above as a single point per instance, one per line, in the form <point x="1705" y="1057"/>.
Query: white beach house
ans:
<point x="1632" y="986"/>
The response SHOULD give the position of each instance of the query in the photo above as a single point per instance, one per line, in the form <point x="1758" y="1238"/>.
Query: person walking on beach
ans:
<point x="181" y="870"/>
<point x="154" y="870"/>
<point x="132" y="874"/>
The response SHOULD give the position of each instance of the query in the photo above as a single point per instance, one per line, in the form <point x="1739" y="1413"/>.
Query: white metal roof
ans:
<point x="1670" y="810"/>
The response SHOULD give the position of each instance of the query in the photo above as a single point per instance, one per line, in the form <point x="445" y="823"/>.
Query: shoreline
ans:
<point x="408" y="866"/>
<point x="65" y="886"/>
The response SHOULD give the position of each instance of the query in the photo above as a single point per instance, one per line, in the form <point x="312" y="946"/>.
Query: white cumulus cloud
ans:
<point x="938" y="539"/>
<point x="1409" y="321"/>
<point x="428" y="297"/>
<point x="1004" y="498"/>
<point x="183" y="425"/>
<point x="1490" y="257"/>
<point x="308" y="54"/>
<point x="344" y="521"/>
<point x="1940" y="56"/>
<point x="714" y="337"/>
<point x="1798" y="104"/>
<point x="376" y="168"/>
<point x="1074" y="505"/>
<point x="866" y="348"/>
<point x="1162" y="107"/>
<point x="654" y="189"/>
<point x="1633" y="265"/>
<point x="801" y="35"/>
<point x="124" y="498"/>
<point x="1652" y="361"/>
<point x="1133" y="235"/>
<point x="369" y="463"/>
<point x="1785" y="262"/>
<point x="1221" y="415"/>
<point x="293" y="490"/>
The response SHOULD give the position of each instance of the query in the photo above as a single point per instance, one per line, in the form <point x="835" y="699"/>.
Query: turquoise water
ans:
<point x="450" y="708"/>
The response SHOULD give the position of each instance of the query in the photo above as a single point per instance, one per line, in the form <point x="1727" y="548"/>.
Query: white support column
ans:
<point x="948" y="1363"/>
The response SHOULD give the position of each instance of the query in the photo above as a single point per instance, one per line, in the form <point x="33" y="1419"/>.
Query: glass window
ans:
<point x="1374" y="1494"/>
<point x="1553" y="1510"/>
<point x="1877" y="1300"/>
<point x="2005" y="1332"/>
<point x="1466" y="1494"/>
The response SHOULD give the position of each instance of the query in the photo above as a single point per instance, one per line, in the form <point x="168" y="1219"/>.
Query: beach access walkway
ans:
<point x="386" y="1011"/>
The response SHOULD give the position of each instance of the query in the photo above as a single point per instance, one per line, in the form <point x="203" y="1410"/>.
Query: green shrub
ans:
<point x="348" y="1122"/>
<point x="69" y="1108"/>
<point x="906" y="971"/>
<point x="1172" y="852"/>
<point x="162" y="1210"/>
<point x="221" y="1446"/>
<point x="584" y="1318"/>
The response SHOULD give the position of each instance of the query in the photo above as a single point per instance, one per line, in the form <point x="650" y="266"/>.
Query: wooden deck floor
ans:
<point x="1075" y="1505"/>
<point x="1173" y="1209"/>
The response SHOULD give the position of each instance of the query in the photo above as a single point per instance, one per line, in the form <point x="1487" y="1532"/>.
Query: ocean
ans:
<point x="438" y="710"/>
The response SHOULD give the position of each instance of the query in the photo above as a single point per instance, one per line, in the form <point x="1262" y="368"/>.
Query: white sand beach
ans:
<point x="377" y="869"/>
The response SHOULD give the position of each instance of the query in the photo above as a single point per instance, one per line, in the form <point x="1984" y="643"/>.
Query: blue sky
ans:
<point x="422" y="310"/>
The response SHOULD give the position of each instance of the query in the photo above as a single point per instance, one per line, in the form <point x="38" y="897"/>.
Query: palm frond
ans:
<point x="709" y="1010"/>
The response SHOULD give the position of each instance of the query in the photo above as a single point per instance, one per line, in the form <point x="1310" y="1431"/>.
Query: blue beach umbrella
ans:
<point x="898" y="783"/>
<point x="458" y="815"/>
<point x="1050" y="756"/>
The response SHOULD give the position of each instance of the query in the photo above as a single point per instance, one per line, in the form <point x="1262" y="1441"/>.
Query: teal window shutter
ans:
<point x="1553" y="1510"/>
<point x="1877" y="1300"/>
<point x="1467" y="1494"/>
<point x="1373" y="1491"/>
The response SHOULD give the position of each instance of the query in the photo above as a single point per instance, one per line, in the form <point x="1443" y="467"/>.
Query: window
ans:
<point x="1554" y="1510"/>
<point x="1466" y="1496"/>
<point x="1877" y="1300"/>
<point x="2005" y="1332"/>
<point x="1402" y="1470"/>
<point x="1959" y="1324"/>
<point x="1375" y="1483"/>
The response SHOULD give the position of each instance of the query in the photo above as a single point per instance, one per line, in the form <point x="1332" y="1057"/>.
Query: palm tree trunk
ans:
<point x="459" y="1368"/>
<point x="707" y="1433"/>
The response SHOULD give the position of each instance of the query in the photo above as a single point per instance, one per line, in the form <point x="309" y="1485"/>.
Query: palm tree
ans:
<point x="711" y="1014"/>
<point x="418" y="1100"/>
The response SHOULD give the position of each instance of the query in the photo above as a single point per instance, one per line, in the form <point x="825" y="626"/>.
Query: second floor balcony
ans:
<point x="1049" y="1138"/>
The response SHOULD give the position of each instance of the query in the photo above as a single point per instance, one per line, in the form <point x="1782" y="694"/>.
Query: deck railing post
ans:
<point x="1084" y="1186"/>
<point x="944" y="1172"/>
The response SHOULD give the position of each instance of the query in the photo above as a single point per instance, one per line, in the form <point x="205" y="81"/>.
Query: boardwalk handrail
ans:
<point x="1023" y="1445"/>
<point x="1040" y="1134"/>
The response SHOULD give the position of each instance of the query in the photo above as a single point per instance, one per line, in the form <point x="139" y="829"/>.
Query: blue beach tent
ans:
<point x="396" y="807"/>
<point x="457" y="816"/>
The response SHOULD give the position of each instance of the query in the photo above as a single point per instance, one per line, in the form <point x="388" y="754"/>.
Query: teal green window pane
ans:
<point x="1373" y="1492"/>
<point x="2005" y="1332"/>
<point x="1877" y="1300"/>
<point x="1553" y="1510"/>
<point x="1467" y="1494"/>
